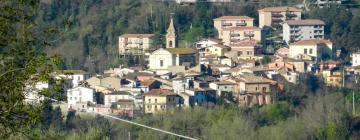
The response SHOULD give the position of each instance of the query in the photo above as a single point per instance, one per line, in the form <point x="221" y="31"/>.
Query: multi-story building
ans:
<point x="295" y="30"/>
<point x="224" y="22"/>
<point x="251" y="90"/>
<point x="135" y="43"/>
<point x="157" y="100"/>
<point x="114" y="97"/>
<point x="72" y="77"/>
<point x="80" y="95"/>
<point x="275" y="16"/>
<point x="319" y="49"/>
<point x="322" y="3"/>
<point x="217" y="49"/>
<point x="355" y="59"/>
<point x="235" y="35"/>
<point x="245" y="49"/>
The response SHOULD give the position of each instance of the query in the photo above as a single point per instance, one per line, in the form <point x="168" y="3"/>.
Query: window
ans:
<point x="170" y="44"/>
<point x="215" y="49"/>
<point x="70" y="98"/>
<point x="264" y="89"/>
<point x="155" y="107"/>
<point x="155" y="100"/>
<point x="149" y="100"/>
<point x="225" y="87"/>
<point x="239" y="53"/>
<point x="311" y="51"/>
<point x="248" y="52"/>
<point x="161" y="63"/>
<point x="256" y="88"/>
<point x="305" y="51"/>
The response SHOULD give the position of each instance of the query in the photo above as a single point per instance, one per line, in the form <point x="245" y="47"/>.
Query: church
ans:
<point x="172" y="58"/>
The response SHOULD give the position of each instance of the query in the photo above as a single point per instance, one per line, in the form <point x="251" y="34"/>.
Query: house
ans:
<point x="283" y="52"/>
<point x="114" y="97"/>
<point x="222" y="86"/>
<point x="234" y="35"/>
<point x="135" y="43"/>
<point x="31" y="92"/>
<point x="157" y="100"/>
<point x="202" y="45"/>
<point x="276" y="16"/>
<point x="111" y="82"/>
<point x="245" y="49"/>
<point x="319" y="49"/>
<point x="295" y="30"/>
<point x="251" y="90"/>
<point x="124" y="107"/>
<point x="333" y="78"/>
<point x="224" y="22"/>
<point x="75" y="76"/>
<point x="148" y="85"/>
<point x="355" y="59"/>
<point x="80" y="95"/>
<point x="217" y="49"/>
<point x="195" y="96"/>
<point x="119" y="71"/>
<point x="162" y="59"/>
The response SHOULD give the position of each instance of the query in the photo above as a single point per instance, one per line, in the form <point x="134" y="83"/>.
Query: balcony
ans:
<point x="295" y="29"/>
<point x="234" y="35"/>
<point x="241" y="24"/>
<point x="249" y="34"/>
<point x="226" y="24"/>
<point x="277" y="15"/>
<point x="277" y="20"/>
<point x="234" y="40"/>
<point x="291" y="15"/>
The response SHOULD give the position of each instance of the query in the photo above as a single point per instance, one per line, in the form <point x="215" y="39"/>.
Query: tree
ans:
<point x="22" y="63"/>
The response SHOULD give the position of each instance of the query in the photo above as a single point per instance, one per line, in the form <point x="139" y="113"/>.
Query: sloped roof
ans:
<point x="220" y="46"/>
<point x="280" y="9"/>
<point x="147" y="82"/>
<point x="181" y="50"/>
<point x="249" y="78"/>
<point x="70" y="72"/>
<point x="224" y="83"/>
<point x="311" y="42"/>
<point x="159" y="92"/>
<point x="234" y="18"/>
<point x="137" y="35"/>
<point x="306" y="22"/>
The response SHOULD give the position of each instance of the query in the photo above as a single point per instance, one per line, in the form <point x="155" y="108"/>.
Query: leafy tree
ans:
<point x="22" y="63"/>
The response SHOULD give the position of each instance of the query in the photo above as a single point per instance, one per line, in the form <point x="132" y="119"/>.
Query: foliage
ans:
<point x="22" y="63"/>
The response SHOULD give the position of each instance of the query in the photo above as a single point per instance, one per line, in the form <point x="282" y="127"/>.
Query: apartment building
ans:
<point x="135" y="43"/>
<point x="295" y="30"/>
<point x="276" y="16"/>
<point x="317" y="49"/>
<point x="322" y="3"/>
<point x="246" y="49"/>
<point x="235" y="35"/>
<point x="224" y="22"/>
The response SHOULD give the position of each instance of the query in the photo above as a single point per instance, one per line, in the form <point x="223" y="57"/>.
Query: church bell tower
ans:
<point x="170" y="35"/>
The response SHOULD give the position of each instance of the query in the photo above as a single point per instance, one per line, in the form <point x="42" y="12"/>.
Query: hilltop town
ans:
<point x="235" y="63"/>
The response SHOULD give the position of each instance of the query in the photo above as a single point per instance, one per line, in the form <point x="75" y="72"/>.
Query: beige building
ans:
<point x="223" y="22"/>
<point x="315" y="48"/>
<point x="135" y="43"/>
<point x="276" y="16"/>
<point x="162" y="59"/>
<point x="217" y="49"/>
<point x="158" y="100"/>
<point x="235" y="35"/>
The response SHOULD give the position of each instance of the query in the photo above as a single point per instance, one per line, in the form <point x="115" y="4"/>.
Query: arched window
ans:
<point x="170" y="44"/>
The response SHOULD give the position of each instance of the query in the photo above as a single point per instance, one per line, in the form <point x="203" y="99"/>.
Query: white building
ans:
<point x="322" y="3"/>
<point x="31" y="92"/>
<point x="80" y="95"/>
<point x="74" y="75"/>
<point x="222" y="86"/>
<point x="355" y="59"/>
<point x="315" y="48"/>
<point x="116" y="96"/>
<point x="295" y="30"/>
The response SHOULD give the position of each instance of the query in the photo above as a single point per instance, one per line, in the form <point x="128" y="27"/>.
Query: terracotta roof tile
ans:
<point x="305" y="22"/>
<point x="311" y="42"/>
<point x="137" y="35"/>
<point x="159" y="92"/>
<point x="280" y="9"/>
<point x="181" y="50"/>
<point x="234" y="18"/>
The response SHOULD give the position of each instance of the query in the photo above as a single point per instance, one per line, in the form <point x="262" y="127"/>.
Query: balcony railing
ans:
<point x="234" y="40"/>
<point x="277" y="20"/>
<point x="241" y="24"/>
<point x="226" y="24"/>
<point x="234" y="35"/>
<point x="276" y="15"/>
<point x="291" y="15"/>
<point x="249" y="34"/>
